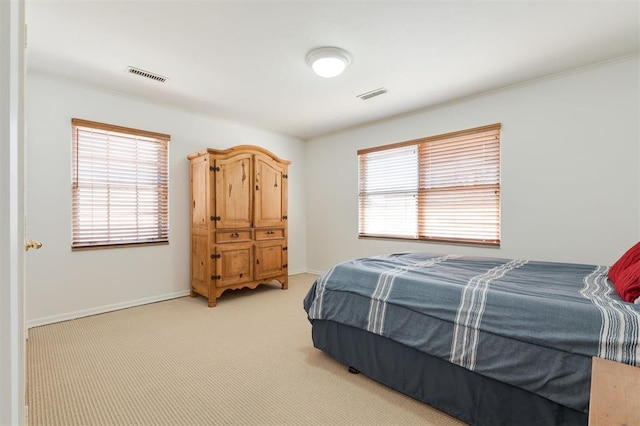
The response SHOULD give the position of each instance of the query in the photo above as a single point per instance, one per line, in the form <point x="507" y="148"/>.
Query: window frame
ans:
<point x="117" y="185"/>
<point x="483" y="180"/>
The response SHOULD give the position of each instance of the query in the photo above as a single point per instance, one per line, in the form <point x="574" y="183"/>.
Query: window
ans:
<point x="120" y="186"/>
<point x="440" y="188"/>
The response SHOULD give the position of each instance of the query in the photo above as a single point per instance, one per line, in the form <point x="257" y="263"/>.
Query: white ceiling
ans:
<point x="244" y="60"/>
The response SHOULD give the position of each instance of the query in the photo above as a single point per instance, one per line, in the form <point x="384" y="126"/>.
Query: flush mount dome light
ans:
<point x="328" y="61"/>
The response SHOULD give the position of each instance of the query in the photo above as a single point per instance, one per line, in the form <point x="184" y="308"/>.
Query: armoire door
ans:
<point x="233" y="264"/>
<point x="270" y="193"/>
<point x="233" y="192"/>
<point x="270" y="259"/>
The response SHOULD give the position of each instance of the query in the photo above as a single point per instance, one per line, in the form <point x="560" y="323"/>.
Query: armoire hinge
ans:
<point x="216" y="256"/>
<point x="285" y="217"/>
<point x="285" y="176"/>
<point x="285" y="248"/>
<point x="215" y="277"/>
<point x="285" y="266"/>
<point x="214" y="218"/>
<point x="214" y="168"/>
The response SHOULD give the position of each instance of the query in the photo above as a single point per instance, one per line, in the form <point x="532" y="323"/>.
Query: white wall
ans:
<point x="570" y="170"/>
<point x="61" y="284"/>
<point x="570" y="183"/>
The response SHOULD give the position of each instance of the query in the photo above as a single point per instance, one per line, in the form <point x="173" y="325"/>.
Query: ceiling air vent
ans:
<point x="147" y="74"/>
<point x="373" y="93"/>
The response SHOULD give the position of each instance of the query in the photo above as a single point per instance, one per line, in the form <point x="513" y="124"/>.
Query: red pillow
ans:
<point x="628" y="283"/>
<point x="629" y="258"/>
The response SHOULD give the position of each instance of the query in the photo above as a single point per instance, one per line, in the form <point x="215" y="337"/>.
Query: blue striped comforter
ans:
<point x="531" y="324"/>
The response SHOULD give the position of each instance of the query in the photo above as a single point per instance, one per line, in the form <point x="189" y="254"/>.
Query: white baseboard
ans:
<point x="298" y="272"/>
<point x="103" y="309"/>
<point x="117" y="306"/>
<point x="314" y="272"/>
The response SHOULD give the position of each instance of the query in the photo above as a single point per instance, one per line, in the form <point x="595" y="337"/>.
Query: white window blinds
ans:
<point x="120" y="186"/>
<point x="389" y="192"/>
<point x="440" y="188"/>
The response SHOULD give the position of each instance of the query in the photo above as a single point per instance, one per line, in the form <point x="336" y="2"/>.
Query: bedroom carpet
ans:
<point x="248" y="361"/>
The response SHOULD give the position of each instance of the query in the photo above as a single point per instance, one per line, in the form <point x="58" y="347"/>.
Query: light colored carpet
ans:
<point x="248" y="361"/>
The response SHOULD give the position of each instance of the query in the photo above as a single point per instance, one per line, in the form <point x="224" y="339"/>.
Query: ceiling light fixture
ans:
<point x="328" y="61"/>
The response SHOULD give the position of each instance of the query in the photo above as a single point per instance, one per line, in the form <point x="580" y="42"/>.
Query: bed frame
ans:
<point x="459" y="392"/>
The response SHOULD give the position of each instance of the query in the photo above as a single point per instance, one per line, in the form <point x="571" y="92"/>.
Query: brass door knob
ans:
<point x="32" y="244"/>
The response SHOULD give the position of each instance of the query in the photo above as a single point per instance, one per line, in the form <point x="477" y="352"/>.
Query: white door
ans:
<point x="12" y="337"/>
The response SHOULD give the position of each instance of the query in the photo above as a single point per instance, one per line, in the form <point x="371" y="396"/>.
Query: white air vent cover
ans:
<point x="373" y="93"/>
<point x="147" y="74"/>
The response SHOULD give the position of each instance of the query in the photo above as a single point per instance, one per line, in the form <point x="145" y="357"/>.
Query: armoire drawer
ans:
<point x="269" y="234"/>
<point x="233" y="236"/>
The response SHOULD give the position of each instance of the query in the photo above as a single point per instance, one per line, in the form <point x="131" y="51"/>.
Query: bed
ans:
<point x="490" y="341"/>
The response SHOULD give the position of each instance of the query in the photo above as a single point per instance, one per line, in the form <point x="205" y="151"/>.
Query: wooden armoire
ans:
<point x="238" y="220"/>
